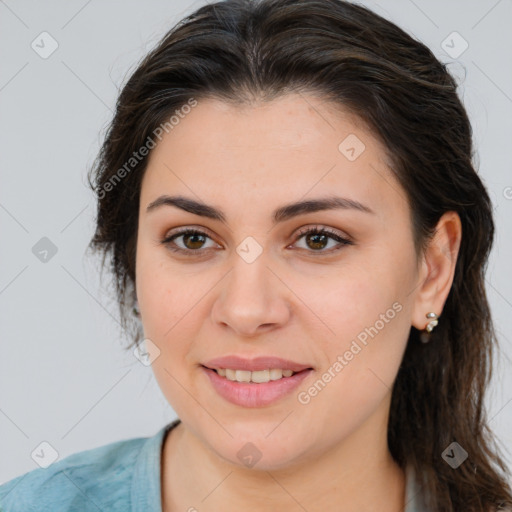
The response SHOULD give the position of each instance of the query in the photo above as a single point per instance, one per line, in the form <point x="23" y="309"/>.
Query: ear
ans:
<point x="437" y="268"/>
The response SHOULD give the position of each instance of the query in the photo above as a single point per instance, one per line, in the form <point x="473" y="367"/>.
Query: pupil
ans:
<point x="193" y="235"/>
<point x="316" y="241"/>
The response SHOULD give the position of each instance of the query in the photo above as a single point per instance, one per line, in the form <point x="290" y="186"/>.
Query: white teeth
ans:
<point x="259" y="376"/>
<point x="230" y="374"/>
<point x="243" y="376"/>
<point x="275" y="374"/>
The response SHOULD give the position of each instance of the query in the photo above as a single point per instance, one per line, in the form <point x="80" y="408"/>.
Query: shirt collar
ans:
<point x="146" y="487"/>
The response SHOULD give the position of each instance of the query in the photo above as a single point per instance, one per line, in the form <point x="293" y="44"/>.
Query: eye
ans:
<point x="317" y="239"/>
<point x="193" y="241"/>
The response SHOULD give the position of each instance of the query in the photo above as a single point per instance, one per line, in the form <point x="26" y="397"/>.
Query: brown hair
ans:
<point x="242" y="50"/>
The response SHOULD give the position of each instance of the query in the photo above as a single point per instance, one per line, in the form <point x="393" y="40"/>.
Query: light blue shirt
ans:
<point x="123" y="476"/>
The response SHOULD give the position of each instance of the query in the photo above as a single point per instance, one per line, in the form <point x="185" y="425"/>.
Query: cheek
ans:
<point x="355" y="298"/>
<point x="163" y="293"/>
<point x="169" y="312"/>
<point x="361" y="366"/>
<point x="370" y="333"/>
<point x="368" y="313"/>
<point x="168" y="308"/>
<point x="171" y="307"/>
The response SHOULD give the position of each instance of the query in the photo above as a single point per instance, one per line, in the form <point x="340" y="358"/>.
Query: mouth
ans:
<point x="257" y="388"/>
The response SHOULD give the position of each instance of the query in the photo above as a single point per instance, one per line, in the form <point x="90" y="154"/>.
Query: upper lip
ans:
<point x="234" y="362"/>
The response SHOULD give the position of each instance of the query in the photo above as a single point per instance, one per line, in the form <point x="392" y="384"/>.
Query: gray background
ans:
<point x="64" y="377"/>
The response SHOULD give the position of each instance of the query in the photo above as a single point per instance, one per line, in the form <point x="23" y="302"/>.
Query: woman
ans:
<point x="288" y="198"/>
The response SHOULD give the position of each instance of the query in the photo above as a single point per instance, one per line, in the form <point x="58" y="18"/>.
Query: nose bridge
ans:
<point x="248" y="283"/>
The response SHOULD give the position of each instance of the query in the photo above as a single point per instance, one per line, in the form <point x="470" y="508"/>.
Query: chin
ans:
<point x="259" y="453"/>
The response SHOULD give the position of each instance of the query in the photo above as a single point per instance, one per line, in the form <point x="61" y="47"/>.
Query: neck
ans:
<point x="359" y="473"/>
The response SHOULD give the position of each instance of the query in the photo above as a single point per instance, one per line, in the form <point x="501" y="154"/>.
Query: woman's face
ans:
<point x="254" y="285"/>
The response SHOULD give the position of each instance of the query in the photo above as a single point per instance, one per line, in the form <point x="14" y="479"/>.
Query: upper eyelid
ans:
<point x="187" y="229"/>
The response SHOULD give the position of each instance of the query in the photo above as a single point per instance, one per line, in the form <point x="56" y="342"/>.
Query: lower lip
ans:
<point x="252" y="394"/>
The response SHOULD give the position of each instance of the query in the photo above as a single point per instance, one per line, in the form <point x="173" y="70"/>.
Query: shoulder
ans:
<point x="95" y="479"/>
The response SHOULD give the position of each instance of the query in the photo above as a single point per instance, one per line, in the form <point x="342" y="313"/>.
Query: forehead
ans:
<point x="295" y="146"/>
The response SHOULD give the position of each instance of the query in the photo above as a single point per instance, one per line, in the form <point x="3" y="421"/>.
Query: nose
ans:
<point x="252" y="300"/>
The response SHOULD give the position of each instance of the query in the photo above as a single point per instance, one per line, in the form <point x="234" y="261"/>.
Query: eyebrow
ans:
<point x="279" y="215"/>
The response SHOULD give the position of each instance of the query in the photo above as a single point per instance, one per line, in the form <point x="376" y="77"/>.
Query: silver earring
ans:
<point x="433" y="322"/>
<point x="425" y="335"/>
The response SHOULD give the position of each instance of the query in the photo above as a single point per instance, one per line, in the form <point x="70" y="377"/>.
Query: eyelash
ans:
<point x="315" y="231"/>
